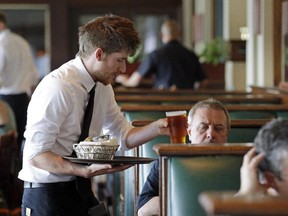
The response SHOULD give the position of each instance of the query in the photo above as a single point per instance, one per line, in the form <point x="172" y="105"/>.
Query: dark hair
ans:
<point x="111" y="33"/>
<point x="3" y="18"/>
<point x="210" y="103"/>
<point x="272" y="140"/>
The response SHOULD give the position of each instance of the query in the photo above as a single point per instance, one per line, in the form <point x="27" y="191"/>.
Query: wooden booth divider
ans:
<point x="226" y="203"/>
<point x="149" y="91"/>
<point x="186" y="170"/>
<point x="236" y="111"/>
<point x="192" y="99"/>
<point x="134" y="178"/>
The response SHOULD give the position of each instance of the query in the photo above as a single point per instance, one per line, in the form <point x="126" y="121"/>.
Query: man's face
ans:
<point x="208" y="126"/>
<point x="111" y="66"/>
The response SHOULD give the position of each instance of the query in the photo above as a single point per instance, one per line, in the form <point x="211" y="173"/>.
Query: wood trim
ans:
<point x="164" y="108"/>
<point x="226" y="203"/>
<point x="195" y="98"/>
<point x="201" y="149"/>
<point x="234" y="123"/>
<point x="277" y="27"/>
<point x="163" y="164"/>
<point x="131" y="91"/>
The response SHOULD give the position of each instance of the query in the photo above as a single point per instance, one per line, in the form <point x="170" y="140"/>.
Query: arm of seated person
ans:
<point x="152" y="207"/>
<point x="132" y="81"/>
<point x="201" y="84"/>
<point x="148" y="200"/>
<point x="283" y="85"/>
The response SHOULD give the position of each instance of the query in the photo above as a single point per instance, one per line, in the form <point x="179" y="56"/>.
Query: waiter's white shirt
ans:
<point x="18" y="72"/>
<point x="55" y="115"/>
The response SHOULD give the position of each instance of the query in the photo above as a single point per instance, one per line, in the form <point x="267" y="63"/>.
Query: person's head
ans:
<point x="105" y="44"/>
<point x="272" y="140"/>
<point x="170" y="30"/>
<point x="111" y="33"/>
<point x="208" y="122"/>
<point x="3" y="21"/>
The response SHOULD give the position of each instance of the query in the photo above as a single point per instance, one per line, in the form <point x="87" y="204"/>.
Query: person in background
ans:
<point x="55" y="116"/>
<point x="264" y="169"/>
<point x="208" y="122"/>
<point x="7" y="118"/>
<point x="173" y="65"/>
<point x="42" y="62"/>
<point x="18" y="74"/>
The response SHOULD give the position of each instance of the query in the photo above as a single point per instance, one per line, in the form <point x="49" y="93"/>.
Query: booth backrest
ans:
<point x="187" y="170"/>
<point x="267" y="111"/>
<point x="239" y="128"/>
<point x="189" y="176"/>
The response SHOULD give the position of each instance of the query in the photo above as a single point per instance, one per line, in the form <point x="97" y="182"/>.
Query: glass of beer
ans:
<point x="177" y="123"/>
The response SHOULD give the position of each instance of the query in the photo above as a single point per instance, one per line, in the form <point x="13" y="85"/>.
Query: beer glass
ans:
<point x="177" y="123"/>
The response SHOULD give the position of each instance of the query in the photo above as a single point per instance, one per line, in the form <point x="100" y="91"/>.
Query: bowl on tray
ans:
<point x="96" y="148"/>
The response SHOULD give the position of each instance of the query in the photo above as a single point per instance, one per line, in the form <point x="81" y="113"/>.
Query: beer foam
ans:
<point x="175" y="113"/>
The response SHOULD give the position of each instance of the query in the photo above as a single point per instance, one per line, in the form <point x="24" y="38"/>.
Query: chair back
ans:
<point x="187" y="170"/>
<point x="8" y="151"/>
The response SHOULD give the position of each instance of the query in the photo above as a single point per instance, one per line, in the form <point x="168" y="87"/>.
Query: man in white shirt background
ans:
<point x="18" y="74"/>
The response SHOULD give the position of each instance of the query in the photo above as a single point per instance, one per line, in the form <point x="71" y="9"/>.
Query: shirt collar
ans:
<point x="4" y="32"/>
<point x="84" y="76"/>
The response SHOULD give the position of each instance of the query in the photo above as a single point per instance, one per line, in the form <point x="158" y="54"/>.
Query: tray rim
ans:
<point x="117" y="160"/>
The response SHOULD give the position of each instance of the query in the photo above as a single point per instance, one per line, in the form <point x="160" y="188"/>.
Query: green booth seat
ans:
<point x="241" y="114"/>
<point x="238" y="135"/>
<point x="187" y="170"/>
<point x="143" y="115"/>
<point x="282" y="114"/>
<point x="189" y="176"/>
<point x="146" y="150"/>
<point x="131" y="190"/>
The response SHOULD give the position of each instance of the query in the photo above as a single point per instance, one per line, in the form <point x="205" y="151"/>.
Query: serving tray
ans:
<point x="117" y="160"/>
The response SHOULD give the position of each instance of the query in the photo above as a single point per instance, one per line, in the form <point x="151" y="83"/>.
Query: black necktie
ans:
<point x="87" y="116"/>
<point x="84" y="184"/>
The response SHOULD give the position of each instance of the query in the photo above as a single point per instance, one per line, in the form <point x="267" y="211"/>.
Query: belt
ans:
<point x="49" y="185"/>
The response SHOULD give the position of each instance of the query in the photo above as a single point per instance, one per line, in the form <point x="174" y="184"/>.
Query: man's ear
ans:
<point x="270" y="180"/>
<point x="99" y="54"/>
<point x="2" y="26"/>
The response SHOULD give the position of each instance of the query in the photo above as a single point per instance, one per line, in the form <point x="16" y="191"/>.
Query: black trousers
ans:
<point x="55" y="200"/>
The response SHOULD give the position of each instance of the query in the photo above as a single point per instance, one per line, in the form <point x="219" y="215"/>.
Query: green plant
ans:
<point x="215" y="51"/>
<point x="136" y="56"/>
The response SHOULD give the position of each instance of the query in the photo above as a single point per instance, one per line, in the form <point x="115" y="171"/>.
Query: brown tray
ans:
<point x="117" y="160"/>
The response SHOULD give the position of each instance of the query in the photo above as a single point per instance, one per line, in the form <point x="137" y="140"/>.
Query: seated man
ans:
<point x="208" y="122"/>
<point x="7" y="118"/>
<point x="269" y="159"/>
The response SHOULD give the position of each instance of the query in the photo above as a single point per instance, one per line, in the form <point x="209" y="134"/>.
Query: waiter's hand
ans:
<point x="100" y="169"/>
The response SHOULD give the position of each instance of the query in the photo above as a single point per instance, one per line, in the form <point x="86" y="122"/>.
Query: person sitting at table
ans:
<point x="174" y="66"/>
<point x="208" y="122"/>
<point x="283" y="85"/>
<point x="264" y="169"/>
